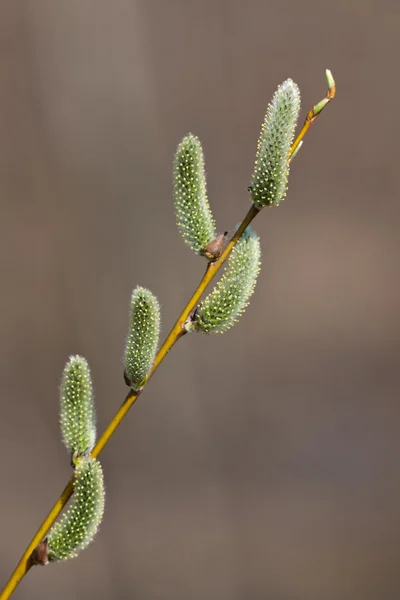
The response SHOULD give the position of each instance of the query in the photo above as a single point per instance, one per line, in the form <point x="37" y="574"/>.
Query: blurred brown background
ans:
<point x="262" y="464"/>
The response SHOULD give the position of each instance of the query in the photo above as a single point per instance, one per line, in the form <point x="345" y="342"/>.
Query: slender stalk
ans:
<point x="175" y="334"/>
<point x="314" y="112"/>
<point x="25" y="563"/>
<point x="212" y="269"/>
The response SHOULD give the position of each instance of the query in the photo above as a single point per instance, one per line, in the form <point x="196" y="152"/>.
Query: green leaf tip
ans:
<point x="329" y="79"/>
<point x="79" y="524"/>
<point x="77" y="411"/>
<point x="296" y="151"/>
<point x="271" y="171"/>
<point x="228" y="300"/>
<point x="193" y="213"/>
<point x="142" y="340"/>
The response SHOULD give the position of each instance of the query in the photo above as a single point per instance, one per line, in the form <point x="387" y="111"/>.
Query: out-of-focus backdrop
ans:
<point x="261" y="464"/>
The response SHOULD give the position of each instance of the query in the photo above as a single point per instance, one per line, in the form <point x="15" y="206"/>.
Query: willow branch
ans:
<point x="175" y="334"/>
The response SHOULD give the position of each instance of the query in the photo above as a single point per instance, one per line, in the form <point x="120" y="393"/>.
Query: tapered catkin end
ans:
<point x="142" y="340"/>
<point x="271" y="171"/>
<point x="77" y="411"/>
<point x="193" y="213"/>
<point x="228" y="300"/>
<point x="78" y="526"/>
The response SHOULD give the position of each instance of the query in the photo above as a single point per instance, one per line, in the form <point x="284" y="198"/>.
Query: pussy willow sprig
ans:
<point x="216" y="313"/>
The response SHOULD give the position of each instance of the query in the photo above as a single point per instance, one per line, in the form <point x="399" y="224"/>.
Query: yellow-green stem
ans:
<point x="176" y="332"/>
<point x="313" y="113"/>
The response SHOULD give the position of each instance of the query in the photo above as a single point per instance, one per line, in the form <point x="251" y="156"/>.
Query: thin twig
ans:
<point x="175" y="334"/>
<point x="314" y="112"/>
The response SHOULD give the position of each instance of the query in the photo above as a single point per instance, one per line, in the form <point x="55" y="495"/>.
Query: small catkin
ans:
<point x="77" y="411"/>
<point x="193" y="213"/>
<point x="142" y="340"/>
<point x="228" y="300"/>
<point x="78" y="526"/>
<point x="271" y="171"/>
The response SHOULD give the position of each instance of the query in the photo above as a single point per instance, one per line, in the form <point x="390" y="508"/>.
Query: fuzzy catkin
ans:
<point x="271" y="171"/>
<point x="228" y="300"/>
<point x="78" y="526"/>
<point x="193" y="213"/>
<point x="77" y="411"/>
<point x="142" y="340"/>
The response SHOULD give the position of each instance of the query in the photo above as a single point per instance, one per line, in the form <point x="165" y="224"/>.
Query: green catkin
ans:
<point x="228" y="300"/>
<point x="271" y="171"/>
<point x="193" y="213"/>
<point x="78" y="526"/>
<point x="142" y="340"/>
<point x="77" y="411"/>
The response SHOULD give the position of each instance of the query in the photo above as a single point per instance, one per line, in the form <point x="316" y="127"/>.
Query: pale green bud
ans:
<point x="78" y="526"/>
<point x="271" y="171"/>
<point x="77" y="411"/>
<point x="228" y="300"/>
<point x="142" y="340"/>
<point x="329" y="79"/>
<point x="193" y="213"/>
